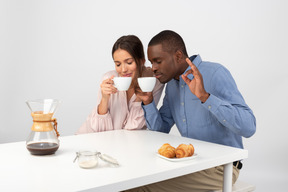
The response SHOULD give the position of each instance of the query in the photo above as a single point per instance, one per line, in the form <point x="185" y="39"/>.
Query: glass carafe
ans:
<point x="43" y="139"/>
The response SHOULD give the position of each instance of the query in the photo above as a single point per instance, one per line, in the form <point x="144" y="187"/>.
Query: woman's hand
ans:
<point x="107" y="88"/>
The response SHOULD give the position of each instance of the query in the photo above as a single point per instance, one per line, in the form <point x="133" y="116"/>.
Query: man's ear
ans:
<point x="178" y="56"/>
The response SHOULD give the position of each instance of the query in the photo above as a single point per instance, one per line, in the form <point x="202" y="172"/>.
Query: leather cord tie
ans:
<point x="54" y="126"/>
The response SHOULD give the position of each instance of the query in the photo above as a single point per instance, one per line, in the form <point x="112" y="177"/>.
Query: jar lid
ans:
<point x="108" y="159"/>
<point x="103" y="157"/>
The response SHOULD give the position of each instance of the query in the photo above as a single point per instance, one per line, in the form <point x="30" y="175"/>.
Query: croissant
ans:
<point x="184" y="150"/>
<point x="167" y="150"/>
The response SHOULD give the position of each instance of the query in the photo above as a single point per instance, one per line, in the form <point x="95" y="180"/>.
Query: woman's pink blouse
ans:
<point x="120" y="115"/>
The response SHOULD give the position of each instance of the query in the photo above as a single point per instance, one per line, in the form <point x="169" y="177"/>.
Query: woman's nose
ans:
<point x="124" y="68"/>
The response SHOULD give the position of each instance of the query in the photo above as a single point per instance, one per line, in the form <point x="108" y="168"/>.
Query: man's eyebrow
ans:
<point x="155" y="58"/>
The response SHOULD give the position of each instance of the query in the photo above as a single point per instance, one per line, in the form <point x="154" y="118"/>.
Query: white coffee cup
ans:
<point x="147" y="83"/>
<point x="122" y="83"/>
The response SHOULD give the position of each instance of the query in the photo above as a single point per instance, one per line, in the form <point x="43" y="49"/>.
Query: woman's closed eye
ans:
<point x="129" y="61"/>
<point x="117" y="64"/>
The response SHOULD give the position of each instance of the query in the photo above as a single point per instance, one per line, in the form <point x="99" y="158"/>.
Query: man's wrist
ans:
<point x="147" y="102"/>
<point x="204" y="97"/>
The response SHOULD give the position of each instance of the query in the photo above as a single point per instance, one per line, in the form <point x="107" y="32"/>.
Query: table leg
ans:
<point x="227" y="177"/>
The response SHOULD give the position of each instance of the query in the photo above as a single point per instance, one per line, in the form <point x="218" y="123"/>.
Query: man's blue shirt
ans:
<point x="224" y="118"/>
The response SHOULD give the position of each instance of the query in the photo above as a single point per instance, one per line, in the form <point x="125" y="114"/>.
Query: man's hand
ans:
<point x="145" y="97"/>
<point x="196" y="85"/>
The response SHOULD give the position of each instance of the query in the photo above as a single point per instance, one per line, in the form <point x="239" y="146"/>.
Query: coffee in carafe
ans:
<point x="43" y="139"/>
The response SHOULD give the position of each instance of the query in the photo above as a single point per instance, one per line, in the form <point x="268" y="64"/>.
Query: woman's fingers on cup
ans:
<point x="107" y="87"/>
<point x="106" y="91"/>
<point x="114" y="89"/>
<point x="107" y="81"/>
<point x="110" y="90"/>
<point x="110" y="80"/>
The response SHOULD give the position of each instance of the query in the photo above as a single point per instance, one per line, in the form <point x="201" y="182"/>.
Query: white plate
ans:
<point x="178" y="159"/>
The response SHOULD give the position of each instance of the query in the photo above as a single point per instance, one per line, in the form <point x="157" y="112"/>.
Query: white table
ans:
<point x="135" y="151"/>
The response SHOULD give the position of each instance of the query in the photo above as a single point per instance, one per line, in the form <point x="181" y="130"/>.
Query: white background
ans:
<point x="60" y="49"/>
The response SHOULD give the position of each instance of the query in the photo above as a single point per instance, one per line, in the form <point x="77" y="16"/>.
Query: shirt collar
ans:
<point x="196" y="59"/>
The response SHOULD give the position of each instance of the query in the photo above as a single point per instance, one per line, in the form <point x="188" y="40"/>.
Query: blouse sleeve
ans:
<point x="96" y="122"/>
<point x="135" y="118"/>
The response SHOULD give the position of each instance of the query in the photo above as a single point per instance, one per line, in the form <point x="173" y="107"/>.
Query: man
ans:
<point x="202" y="99"/>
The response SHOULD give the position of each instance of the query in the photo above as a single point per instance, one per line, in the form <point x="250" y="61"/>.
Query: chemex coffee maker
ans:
<point x="43" y="139"/>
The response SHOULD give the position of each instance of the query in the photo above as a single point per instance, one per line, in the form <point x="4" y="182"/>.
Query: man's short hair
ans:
<point x="170" y="40"/>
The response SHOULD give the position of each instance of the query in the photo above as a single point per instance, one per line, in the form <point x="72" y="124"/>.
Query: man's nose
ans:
<point x="154" y="67"/>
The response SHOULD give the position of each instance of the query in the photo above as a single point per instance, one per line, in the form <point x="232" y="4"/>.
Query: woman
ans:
<point x="121" y="109"/>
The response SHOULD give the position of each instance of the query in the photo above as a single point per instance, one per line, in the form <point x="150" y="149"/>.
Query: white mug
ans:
<point x="147" y="83"/>
<point x="122" y="83"/>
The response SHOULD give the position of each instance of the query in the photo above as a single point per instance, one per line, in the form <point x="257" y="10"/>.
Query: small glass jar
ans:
<point x="87" y="159"/>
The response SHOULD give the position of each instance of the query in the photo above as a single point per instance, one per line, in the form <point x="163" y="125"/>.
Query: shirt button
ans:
<point x="184" y="120"/>
<point x="209" y="106"/>
<point x="182" y="86"/>
<point x="182" y="103"/>
<point x="224" y="120"/>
